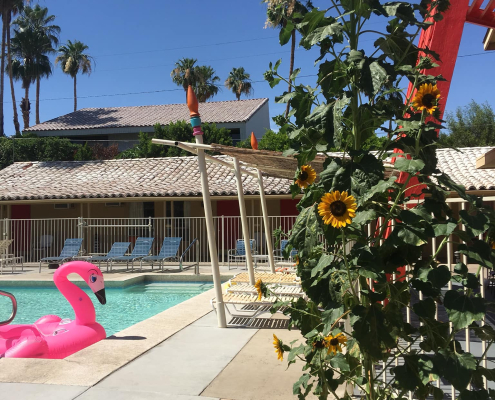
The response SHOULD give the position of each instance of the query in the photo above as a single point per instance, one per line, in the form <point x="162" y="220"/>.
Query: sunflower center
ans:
<point x="334" y="342"/>
<point x="338" y="208"/>
<point x="303" y="176"/>
<point x="428" y="100"/>
<point x="319" y="344"/>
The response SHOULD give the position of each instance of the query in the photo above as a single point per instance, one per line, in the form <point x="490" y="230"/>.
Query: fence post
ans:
<point x="196" y="268"/>
<point x="149" y="227"/>
<point x="223" y="239"/>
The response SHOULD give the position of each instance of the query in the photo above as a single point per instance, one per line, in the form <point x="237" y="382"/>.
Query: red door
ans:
<point x="21" y="229"/>
<point x="228" y="208"/>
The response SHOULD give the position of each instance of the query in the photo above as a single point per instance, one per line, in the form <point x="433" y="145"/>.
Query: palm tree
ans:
<point x="239" y="82"/>
<point x="8" y="8"/>
<point x="184" y="73"/>
<point x="278" y="14"/>
<point x="73" y="59"/>
<point x="29" y="62"/>
<point x="206" y="85"/>
<point x="38" y="20"/>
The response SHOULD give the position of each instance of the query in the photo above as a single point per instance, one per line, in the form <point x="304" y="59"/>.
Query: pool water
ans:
<point x="124" y="307"/>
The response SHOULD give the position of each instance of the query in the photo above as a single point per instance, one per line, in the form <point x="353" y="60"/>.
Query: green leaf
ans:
<point x="444" y="228"/>
<point x="410" y="166"/>
<point x="406" y="375"/>
<point x="485" y="332"/>
<point x="325" y="261"/>
<point x="302" y="381"/>
<point x="425" y="308"/>
<point x="320" y="34"/>
<point x="411" y="236"/>
<point x="479" y="251"/>
<point x="456" y="368"/>
<point x="463" y="310"/>
<point x="340" y="362"/>
<point x="286" y="33"/>
<point x="381" y="188"/>
<point x="338" y="127"/>
<point x="363" y="217"/>
<point x="378" y="76"/>
<point x="477" y="223"/>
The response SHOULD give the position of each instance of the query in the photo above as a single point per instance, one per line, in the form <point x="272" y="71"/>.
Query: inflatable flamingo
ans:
<point x="52" y="336"/>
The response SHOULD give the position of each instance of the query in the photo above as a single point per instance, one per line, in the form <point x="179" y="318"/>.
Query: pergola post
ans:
<point x="266" y="223"/>
<point x="192" y="103"/>
<point x="244" y="222"/>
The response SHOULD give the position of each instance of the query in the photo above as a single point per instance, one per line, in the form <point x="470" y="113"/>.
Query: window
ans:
<point x="236" y="135"/>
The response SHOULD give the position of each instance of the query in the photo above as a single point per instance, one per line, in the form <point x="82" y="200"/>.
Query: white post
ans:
<point x="210" y="229"/>
<point x="244" y="221"/>
<point x="266" y="222"/>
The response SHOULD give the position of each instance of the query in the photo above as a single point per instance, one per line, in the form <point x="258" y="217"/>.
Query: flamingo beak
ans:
<point x="100" y="295"/>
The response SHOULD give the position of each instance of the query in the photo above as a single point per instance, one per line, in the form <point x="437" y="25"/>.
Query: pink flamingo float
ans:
<point x="52" y="336"/>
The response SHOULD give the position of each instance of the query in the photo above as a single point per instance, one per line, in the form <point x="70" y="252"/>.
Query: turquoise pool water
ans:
<point x="125" y="307"/>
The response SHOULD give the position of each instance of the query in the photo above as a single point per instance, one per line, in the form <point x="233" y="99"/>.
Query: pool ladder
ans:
<point x="14" y="307"/>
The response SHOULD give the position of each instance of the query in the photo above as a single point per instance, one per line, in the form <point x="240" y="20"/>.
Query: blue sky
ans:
<point x="135" y="48"/>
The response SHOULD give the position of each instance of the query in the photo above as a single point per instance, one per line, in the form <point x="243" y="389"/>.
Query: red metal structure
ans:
<point x="445" y="37"/>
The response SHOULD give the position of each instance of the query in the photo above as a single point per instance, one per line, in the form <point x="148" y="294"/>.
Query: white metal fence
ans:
<point x="38" y="238"/>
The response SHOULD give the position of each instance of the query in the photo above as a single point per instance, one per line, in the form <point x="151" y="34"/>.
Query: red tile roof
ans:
<point x="143" y="116"/>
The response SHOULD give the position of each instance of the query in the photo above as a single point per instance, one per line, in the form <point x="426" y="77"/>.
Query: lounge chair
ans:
<point x="169" y="251"/>
<point x="5" y="257"/>
<point x="141" y="249"/>
<point x="280" y="253"/>
<point x="70" y="250"/>
<point x="239" y="253"/>
<point x="244" y="309"/>
<point x="268" y="277"/>
<point x="118" y="250"/>
<point x="278" y="289"/>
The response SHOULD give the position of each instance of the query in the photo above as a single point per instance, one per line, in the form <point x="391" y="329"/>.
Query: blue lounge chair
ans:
<point x="118" y="250"/>
<point x="70" y="250"/>
<point x="169" y="251"/>
<point x="141" y="249"/>
<point x="283" y="245"/>
<point x="239" y="253"/>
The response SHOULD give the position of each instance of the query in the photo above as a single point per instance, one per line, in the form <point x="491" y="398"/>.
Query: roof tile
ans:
<point x="144" y="116"/>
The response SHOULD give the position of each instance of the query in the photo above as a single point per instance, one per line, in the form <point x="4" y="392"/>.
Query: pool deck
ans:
<point x="177" y="354"/>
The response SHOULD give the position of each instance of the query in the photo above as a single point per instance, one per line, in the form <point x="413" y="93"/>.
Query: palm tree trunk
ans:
<point x="9" y="62"/>
<point x="291" y="68"/>
<point x="75" y="93"/>
<point x="37" y="99"/>
<point x="2" y="72"/>
<point x="25" y="109"/>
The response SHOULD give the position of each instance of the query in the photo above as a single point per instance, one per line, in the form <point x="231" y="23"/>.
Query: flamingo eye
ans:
<point x="93" y="278"/>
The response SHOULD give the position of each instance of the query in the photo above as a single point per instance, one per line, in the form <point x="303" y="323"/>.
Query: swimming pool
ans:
<point x="124" y="307"/>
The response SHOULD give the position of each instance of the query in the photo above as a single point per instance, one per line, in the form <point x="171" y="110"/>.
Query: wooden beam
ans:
<point x="489" y="41"/>
<point x="486" y="161"/>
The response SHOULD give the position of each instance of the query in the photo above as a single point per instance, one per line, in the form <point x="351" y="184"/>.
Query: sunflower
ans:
<point x="426" y="98"/>
<point x="337" y="209"/>
<point x="335" y="343"/>
<point x="306" y="176"/>
<point x="279" y="347"/>
<point x="261" y="288"/>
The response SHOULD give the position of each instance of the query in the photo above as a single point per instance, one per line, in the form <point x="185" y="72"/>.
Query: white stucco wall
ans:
<point x="258" y="123"/>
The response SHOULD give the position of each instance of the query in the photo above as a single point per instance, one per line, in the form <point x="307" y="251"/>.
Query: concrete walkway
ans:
<point x="179" y="368"/>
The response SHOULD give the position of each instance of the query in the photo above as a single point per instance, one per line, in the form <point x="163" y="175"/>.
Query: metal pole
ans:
<point x="210" y="229"/>
<point x="244" y="221"/>
<point x="266" y="222"/>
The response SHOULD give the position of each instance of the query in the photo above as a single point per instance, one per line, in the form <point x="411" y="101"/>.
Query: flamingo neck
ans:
<point x="80" y="301"/>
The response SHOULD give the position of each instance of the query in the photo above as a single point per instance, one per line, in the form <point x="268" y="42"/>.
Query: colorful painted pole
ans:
<point x="192" y="104"/>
